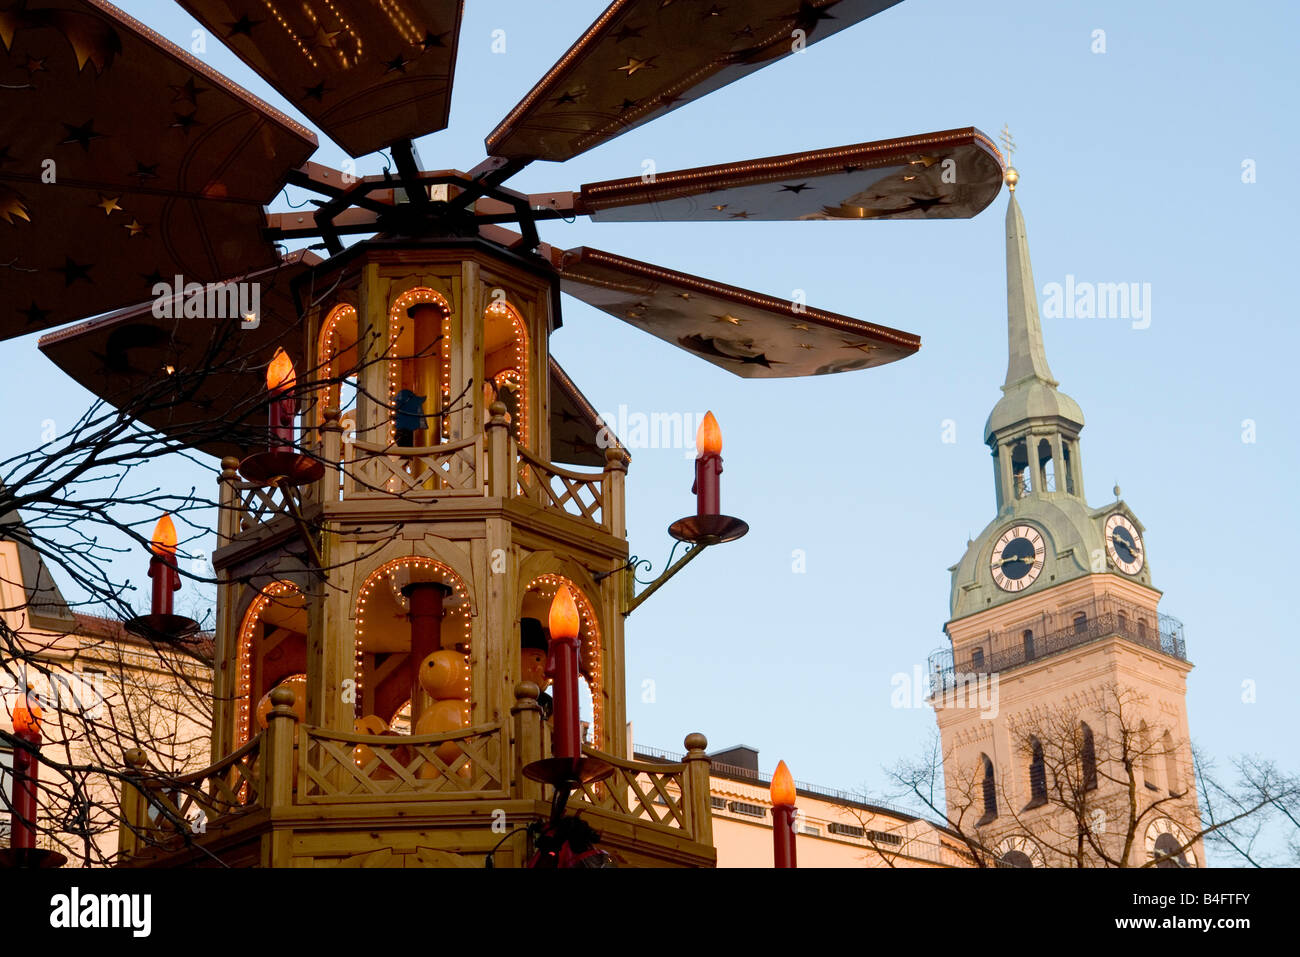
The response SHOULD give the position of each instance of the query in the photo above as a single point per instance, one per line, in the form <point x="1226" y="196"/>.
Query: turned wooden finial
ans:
<point x="282" y="700"/>
<point x="229" y="468"/>
<point x="498" y="412"/>
<point x="696" y="742"/>
<point x="526" y="690"/>
<point x="135" y="758"/>
<point x="615" y="458"/>
<point x="331" y="414"/>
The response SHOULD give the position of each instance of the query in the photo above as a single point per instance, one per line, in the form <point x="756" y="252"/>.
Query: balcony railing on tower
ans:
<point x="1051" y="634"/>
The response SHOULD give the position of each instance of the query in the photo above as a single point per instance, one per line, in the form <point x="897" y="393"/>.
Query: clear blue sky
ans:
<point x="1131" y="171"/>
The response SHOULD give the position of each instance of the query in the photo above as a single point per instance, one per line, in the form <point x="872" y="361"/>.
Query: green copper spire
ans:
<point x="1026" y="356"/>
<point x="1029" y="395"/>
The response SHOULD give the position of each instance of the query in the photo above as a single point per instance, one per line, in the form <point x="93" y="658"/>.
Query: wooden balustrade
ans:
<point x="454" y="468"/>
<point x="338" y="767"/>
<point x="668" y="795"/>
<point x="159" y="811"/>
<point x="579" y="494"/>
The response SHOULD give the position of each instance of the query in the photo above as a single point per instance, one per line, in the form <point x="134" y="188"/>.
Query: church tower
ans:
<point x="1061" y="700"/>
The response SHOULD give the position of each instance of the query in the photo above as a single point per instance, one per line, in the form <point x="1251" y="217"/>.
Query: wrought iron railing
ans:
<point x="1047" y="635"/>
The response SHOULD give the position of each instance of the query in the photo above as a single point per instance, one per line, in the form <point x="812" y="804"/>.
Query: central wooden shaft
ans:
<point x="426" y="600"/>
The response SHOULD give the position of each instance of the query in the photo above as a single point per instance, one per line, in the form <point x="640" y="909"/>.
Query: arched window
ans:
<point x="419" y="368"/>
<point x="1046" y="467"/>
<point x="1146" y="757"/>
<point x="1037" y="775"/>
<point x="1081" y="623"/>
<point x="1088" y="758"/>
<point x="1028" y="640"/>
<point x="1172" y="780"/>
<point x="1142" y="628"/>
<point x="1123" y="624"/>
<point x="977" y="659"/>
<point x="990" y="792"/>
<point x="1020" y="481"/>
<point x="505" y="365"/>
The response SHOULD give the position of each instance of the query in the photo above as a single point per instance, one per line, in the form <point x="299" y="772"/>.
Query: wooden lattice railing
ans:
<point x="451" y="469"/>
<point x="160" y="813"/>
<point x="339" y="767"/>
<point x="579" y="494"/>
<point x="254" y="505"/>
<point x="638" y="789"/>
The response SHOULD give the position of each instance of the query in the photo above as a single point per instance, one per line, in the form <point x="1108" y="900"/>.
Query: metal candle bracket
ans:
<point x="697" y="531"/>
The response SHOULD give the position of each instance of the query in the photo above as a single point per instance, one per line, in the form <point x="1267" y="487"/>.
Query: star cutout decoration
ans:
<point x="72" y="271"/>
<point x="396" y="65"/>
<point x="729" y="318"/>
<point x="796" y="189"/>
<point x="634" y="65"/>
<point x="851" y="167"/>
<point x="325" y="38"/>
<point x="34" y="313"/>
<point x="802" y="326"/>
<point x="432" y="41"/>
<point x="188" y="91"/>
<point x="109" y="204"/>
<point x="627" y="105"/>
<point x="316" y="92"/>
<point x="35" y="65"/>
<point x="626" y="32"/>
<point x="82" y="135"/>
<point x="134" y="229"/>
<point x="567" y="97"/>
<point x="925" y="203"/>
<point x="810" y="15"/>
<point x="743" y="214"/>
<point x="760" y="360"/>
<point x="184" y="122"/>
<point x="720" y="207"/>
<point x="144" y="171"/>
<point x="242" y="27"/>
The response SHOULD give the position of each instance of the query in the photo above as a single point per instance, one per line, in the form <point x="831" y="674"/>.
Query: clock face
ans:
<point x="1124" y="544"/>
<point x="1166" y="840"/>
<point x="1018" y="557"/>
<point x="1020" y="851"/>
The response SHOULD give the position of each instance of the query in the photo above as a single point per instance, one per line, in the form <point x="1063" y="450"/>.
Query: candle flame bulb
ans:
<point x="27" y="715"/>
<point x="280" y="375"/>
<point x="563" y="619"/>
<point x="708" y="437"/>
<point x="783" y="791"/>
<point x="164" y="540"/>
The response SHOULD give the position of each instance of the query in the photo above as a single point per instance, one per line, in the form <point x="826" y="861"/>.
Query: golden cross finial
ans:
<point x="1008" y="143"/>
<point x="1009" y="146"/>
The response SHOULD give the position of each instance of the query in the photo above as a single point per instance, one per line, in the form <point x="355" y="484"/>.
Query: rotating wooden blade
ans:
<point x="367" y="73"/>
<point x="124" y="161"/>
<point x="644" y="58"/>
<point x="747" y="333"/>
<point x="575" y="425"/>
<point x="119" y="356"/>
<point x="948" y="175"/>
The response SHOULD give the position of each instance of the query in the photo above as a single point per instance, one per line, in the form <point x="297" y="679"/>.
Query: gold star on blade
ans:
<point x="864" y="346"/>
<point x="801" y="326"/>
<point x="805" y="345"/>
<point x="108" y="204"/>
<point x="684" y="295"/>
<point x="728" y="318"/>
<point x="719" y="208"/>
<point x="134" y="228"/>
<point x="633" y="65"/>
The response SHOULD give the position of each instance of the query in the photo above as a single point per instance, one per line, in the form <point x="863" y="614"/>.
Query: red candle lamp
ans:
<point x="162" y="623"/>
<point x="783" y="817"/>
<point x="281" y="464"/>
<point x="24" y="810"/>
<point x="708" y="526"/>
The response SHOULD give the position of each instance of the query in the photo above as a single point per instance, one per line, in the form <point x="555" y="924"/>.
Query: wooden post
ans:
<point x="326" y="489"/>
<point x="500" y="462"/>
<point x="527" y="715"/>
<point x="615" y="513"/>
<point x="695" y="788"/>
<point x="135" y="808"/>
<point x="230" y="507"/>
<point x="277" y="750"/>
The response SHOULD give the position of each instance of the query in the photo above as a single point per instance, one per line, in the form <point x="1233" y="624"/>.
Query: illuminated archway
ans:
<point x="420" y="359"/>
<point x="337" y="352"/>
<point x="281" y="606"/>
<point x="505" y="364"/>
<point x="537" y="603"/>
<point x="381" y="629"/>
